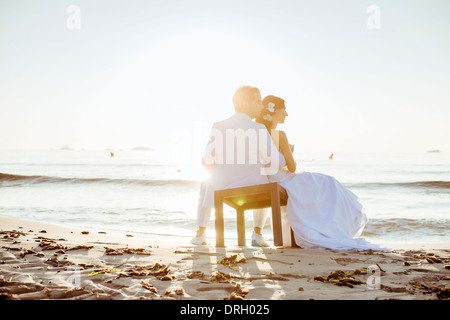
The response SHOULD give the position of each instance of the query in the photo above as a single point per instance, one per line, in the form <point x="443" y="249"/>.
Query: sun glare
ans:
<point x="178" y="68"/>
<point x="185" y="82"/>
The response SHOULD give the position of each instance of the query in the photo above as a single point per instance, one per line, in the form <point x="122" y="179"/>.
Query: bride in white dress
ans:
<point x="322" y="213"/>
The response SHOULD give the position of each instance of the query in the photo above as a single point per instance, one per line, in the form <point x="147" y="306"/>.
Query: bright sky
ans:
<point x="121" y="74"/>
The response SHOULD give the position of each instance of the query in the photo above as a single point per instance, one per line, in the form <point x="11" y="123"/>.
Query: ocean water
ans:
<point x="406" y="196"/>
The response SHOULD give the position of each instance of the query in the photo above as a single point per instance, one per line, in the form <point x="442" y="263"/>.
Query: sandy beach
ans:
<point x="42" y="261"/>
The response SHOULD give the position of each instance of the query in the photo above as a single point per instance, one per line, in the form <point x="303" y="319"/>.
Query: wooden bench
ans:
<point x="251" y="198"/>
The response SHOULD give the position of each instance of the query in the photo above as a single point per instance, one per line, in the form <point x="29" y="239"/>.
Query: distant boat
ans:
<point x="142" y="149"/>
<point x="434" y="150"/>
<point x="65" y="147"/>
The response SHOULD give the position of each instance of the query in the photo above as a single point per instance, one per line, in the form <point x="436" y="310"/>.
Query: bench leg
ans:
<point x="293" y="244"/>
<point x="219" y="224"/>
<point x="240" y="227"/>
<point x="276" y="218"/>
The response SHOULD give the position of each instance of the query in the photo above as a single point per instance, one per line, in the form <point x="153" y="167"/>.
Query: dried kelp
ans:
<point x="238" y="293"/>
<point x="103" y="271"/>
<point x="51" y="245"/>
<point x="148" y="286"/>
<point x="158" y="270"/>
<point x="431" y="259"/>
<point x="11" y="234"/>
<point x="54" y="262"/>
<point x="196" y="275"/>
<point x="80" y="247"/>
<point x="232" y="261"/>
<point x="341" y="278"/>
<point x="24" y="252"/>
<point x="221" y="277"/>
<point x="121" y="251"/>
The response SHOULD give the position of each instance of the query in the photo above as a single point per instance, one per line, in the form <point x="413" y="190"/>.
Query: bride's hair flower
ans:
<point x="271" y="106"/>
<point x="267" y="117"/>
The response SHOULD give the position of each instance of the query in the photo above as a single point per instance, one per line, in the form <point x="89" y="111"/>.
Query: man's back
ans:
<point x="235" y="155"/>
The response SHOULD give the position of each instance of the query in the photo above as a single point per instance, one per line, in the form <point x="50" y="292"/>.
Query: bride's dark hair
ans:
<point x="271" y="104"/>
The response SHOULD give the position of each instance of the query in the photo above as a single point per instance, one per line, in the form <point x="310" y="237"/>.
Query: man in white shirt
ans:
<point x="240" y="152"/>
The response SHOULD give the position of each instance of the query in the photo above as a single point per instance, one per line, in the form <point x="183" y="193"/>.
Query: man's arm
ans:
<point x="212" y="152"/>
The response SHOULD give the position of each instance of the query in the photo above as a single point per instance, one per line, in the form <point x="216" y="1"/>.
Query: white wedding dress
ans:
<point x="323" y="213"/>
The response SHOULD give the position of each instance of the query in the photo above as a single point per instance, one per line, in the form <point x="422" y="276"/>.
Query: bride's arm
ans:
<point x="285" y="149"/>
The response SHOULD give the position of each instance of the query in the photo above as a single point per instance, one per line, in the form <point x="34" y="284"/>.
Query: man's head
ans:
<point x="247" y="100"/>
